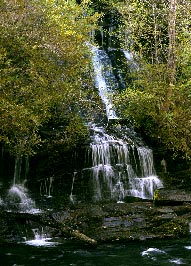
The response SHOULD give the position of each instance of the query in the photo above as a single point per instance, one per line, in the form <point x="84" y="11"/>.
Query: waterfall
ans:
<point x="71" y="193"/>
<point x="130" y="60"/>
<point x="121" y="167"/>
<point x="17" y="197"/>
<point x="17" y="169"/>
<point x="146" y="161"/>
<point x="40" y="238"/>
<point x="18" y="200"/>
<point x="104" y="80"/>
<point x="46" y="187"/>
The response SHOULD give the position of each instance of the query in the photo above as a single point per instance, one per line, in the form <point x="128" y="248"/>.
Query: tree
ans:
<point x="158" y="33"/>
<point x="172" y="41"/>
<point x="171" y="52"/>
<point x="44" y="69"/>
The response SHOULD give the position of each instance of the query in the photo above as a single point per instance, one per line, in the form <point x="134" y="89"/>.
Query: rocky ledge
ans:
<point x="124" y="222"/>
<point x="165" y="196"/>
<point x="109" y="222"/>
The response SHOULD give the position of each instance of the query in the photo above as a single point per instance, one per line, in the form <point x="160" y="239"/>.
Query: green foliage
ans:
<point x="145" y="29"/>
<point x="154" y="104"/>
<point x="44" y="68"/>
<point x="144" y="106"/>
<point x="75" y="132"/>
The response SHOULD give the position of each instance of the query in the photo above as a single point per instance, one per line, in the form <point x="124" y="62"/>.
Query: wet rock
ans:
<point x="61" y="216"/>
<point x="171" y="197"/>
<point x="110" y="222"/>
<point x="139" y="221"/>
<point x="129" y="199"/>
<point x="171" y="229"/>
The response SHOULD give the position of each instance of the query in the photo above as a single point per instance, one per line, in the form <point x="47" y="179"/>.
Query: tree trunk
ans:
<point x="172" y="42"/>
<point x="171" y="52"/>
<point x="156" y="59"/>
<point x="44" y="219"/>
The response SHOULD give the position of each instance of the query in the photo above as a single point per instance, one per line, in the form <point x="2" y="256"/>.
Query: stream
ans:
<point x="172" y="252"/>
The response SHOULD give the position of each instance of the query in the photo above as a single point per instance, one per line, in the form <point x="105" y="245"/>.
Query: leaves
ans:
<point x="44" y="68"/>
<point x="161" y="110"/>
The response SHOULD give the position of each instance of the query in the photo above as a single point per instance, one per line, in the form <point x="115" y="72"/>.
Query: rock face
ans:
<point x="134" y="221"/>
<point x="171" y="196"/>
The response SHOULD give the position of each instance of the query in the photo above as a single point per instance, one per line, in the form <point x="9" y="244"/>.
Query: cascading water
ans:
<point x="18" y="200"/>
<point x="17" y="197"/>
<point x="40" y="239"/>
<point x="104" y="80"/>
<point x="46" y="187"/>
<point x="130" y="60"/>
<point x="120" y="168"/>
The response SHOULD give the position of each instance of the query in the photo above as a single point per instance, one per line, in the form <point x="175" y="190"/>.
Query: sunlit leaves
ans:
<point x="144" y="107"/>
<point x="160" y="109"/>
<point x="44" y="68"/>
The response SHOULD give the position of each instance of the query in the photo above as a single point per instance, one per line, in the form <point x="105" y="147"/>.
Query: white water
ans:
<point x="120" y="168"/>
<point x="19" y="200"/>
<point x="155" y="254"/>
<point x="130" y="60"/>
<point x="40" y="239"/>
<point x="128" y="55"/>
<point x="116" y="167"/>
<point x="72" y="197"/>
<point x="46" y="187"/>
<point x="104" y="80"/>
<point x="17" y="197"/>
<point x="1" y="202"/>
<point x="17" y="169"/>
<point x="151" y="251"/>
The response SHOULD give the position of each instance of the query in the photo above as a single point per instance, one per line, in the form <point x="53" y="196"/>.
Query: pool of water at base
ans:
<point x="171" y="252"/>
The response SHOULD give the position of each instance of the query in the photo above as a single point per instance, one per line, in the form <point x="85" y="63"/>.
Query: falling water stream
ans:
<point x="123" y="166"/>
<point x="17" y="197"/>
<point x="121" y="169"/>
<point x="104" y="80"/>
